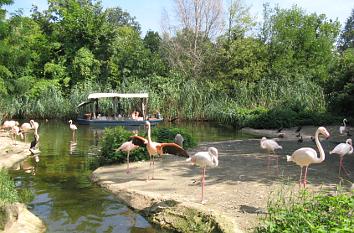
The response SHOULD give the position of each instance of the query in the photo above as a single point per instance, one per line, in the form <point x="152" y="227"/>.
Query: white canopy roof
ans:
<point x="120" y="95"/>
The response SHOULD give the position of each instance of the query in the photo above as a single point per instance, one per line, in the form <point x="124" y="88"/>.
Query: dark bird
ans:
<point x="298" y="135"/>
<point x="280" y="129"/>
<point x="34" y="143"/>
<point x="298" y="129"/>
<point x="300" y="140"/>
<point x="155" y="148"/>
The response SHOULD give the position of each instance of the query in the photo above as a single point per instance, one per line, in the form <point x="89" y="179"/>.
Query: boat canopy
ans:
<point x="119" y="95"/>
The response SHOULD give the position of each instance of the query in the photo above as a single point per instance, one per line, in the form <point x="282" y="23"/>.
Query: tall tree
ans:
<point x="199" y="22"/>
<point x="346" y="39"/>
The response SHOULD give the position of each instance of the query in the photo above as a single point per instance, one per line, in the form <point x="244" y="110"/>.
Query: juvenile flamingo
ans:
<point x="205" y="159"/>
<point x="127" y="147"/>
<point x="341" y="150"/>
<point x="343" y="127"/>
<point x="34" y="143"/>
<point x="179" y="140"/>
<point x="156" y="148"/>
<point x="270" y="146"/>
<point x="306" y="155"/>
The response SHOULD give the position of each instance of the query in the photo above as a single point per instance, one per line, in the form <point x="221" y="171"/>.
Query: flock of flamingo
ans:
<point x="303" y="157"/>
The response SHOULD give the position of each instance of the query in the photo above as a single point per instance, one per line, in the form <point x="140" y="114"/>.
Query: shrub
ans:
<point x="307" y="212"/>
<point x="168" y="135"/>
<point x="114" y="137"/>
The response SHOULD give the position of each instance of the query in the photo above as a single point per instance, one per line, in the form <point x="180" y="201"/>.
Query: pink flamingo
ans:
<point x="127" y="147"/>
<point x="341" y="150"/>
<point x="205" y="159"/>
<point x="306" y="155"/>
<point x="270" y="145"/>
<point x="156" y="148"/>
<point x="25" y="128"/>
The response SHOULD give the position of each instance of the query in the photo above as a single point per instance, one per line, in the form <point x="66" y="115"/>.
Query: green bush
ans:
<point x="309" y="213"/>
<point x="168" y="135"/>
<point x="114" y="137"/>
<point x="8" y="193"/>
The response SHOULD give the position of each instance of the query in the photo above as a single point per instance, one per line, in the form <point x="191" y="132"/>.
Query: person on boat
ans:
<point x="134" y="115"/>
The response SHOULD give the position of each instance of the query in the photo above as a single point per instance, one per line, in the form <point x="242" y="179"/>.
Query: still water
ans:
<point x="64" y="197"/>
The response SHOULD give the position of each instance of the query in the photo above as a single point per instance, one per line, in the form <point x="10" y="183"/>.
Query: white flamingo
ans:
<point x="156" y="148"/>
<point x="127" y="147"/>
<point x="205" y="159"/>
<point x="342" y="149"/>
<point x="270" y="146"/>
<point x="72" y="127"/>
<point x="35" y="126"/>
<point x="306" y="155"/>
<point x="25" y="128"/>
<point x="343" y="127"/>
<point x="179" y="140"/>
<point x="9" y="124"/>
<point x="15" y="131"/>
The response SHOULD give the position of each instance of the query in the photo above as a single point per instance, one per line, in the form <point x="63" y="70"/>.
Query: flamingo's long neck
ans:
<point x="320" y="149"/>
<point x="344" y="123"/>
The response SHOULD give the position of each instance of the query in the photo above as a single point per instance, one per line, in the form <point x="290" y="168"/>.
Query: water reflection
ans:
<point x="65" y="198"/>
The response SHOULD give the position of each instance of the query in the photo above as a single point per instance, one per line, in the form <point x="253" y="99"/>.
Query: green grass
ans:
<point x="309" y="212"/>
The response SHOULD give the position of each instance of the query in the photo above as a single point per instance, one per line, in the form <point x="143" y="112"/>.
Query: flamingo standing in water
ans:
<point x="341" y="150"/>
<point x="343" y="127"/>
<point x="205" y="159"/>
<point x="156" y="148"/>
<point x="72" y="127"/>
<point x="127" y="147"/>
<point x="306" y="155"/>
<point x="270" y="146"/>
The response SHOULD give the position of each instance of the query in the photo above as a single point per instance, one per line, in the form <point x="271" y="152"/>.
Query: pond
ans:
<point x="64" y="197"/>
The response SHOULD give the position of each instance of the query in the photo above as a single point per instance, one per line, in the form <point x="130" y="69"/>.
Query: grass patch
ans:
<point x="309" y="212"/>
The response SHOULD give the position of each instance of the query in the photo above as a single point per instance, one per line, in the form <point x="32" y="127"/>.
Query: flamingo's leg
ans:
<point x="342" y="166"/>
<point x="128" y="171"/>
<point x="300" y="182"/>
<point x="203" y="181"/>
<point x="305" y="178"/>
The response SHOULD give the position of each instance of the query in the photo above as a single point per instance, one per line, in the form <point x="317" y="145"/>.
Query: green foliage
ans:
<point x="165" y="134"/>
<point x="346" y="39"/>
<point x="8" y="193"/>
<point x="305" y="212"/>
<point x="114" y="137"/>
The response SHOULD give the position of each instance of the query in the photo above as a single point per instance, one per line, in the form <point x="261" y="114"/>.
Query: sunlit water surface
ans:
<point x="64" y="197"/>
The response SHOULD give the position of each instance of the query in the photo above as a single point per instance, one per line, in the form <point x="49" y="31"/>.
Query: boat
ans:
<point x="95" y="111"/>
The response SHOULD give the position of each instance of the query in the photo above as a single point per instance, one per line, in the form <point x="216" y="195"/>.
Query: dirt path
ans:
<point x="240" y="187"/>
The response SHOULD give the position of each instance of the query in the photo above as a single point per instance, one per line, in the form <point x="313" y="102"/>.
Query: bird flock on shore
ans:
<point x="303" y="157"/>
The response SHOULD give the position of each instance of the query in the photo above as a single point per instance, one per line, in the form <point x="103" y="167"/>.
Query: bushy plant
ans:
<point x="114" y="137"/>
<point x="306" y="212"/>
<point x="8" y="193"/>
<point x="165" y="134"/>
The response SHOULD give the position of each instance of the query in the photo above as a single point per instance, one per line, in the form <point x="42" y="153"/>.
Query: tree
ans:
<point x="301" y="45"/>
<point x="346" y="39"/>
<point x="117" y="17"/>
<point x="199" y="22"/>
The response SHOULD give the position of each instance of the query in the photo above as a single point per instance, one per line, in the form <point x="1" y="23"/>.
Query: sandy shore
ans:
<point x="237" y="191"/>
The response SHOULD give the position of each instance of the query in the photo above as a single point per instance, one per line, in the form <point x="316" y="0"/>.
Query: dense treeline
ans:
<point x="295" y="68"/>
